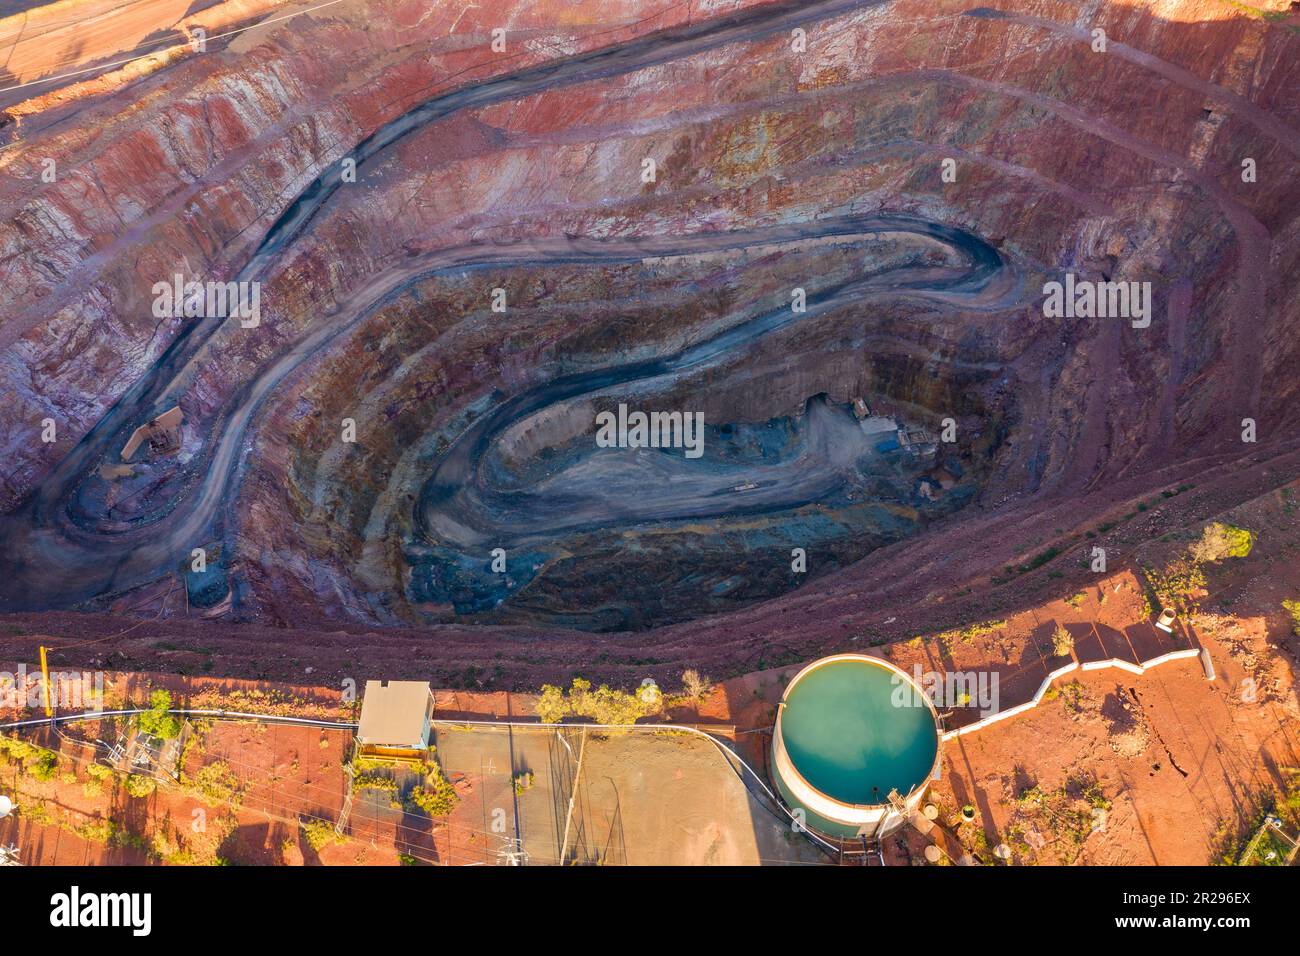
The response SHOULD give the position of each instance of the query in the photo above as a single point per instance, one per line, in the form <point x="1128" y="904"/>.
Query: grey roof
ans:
<point x="392" y="713"/>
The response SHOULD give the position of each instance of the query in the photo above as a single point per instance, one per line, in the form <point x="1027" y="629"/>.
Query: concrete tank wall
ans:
<point x="824" y="813"/>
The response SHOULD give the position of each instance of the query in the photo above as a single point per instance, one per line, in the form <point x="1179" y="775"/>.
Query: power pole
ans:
<point x="517" y="857"/>
<point x="45" y="682"/>
<point x="573" y="796"/>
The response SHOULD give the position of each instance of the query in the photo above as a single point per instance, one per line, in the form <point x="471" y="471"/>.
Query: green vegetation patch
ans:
<point x="215" y="784"/>
<point x="319" y="834"/>
<point x="1253" y="844"/>
<point x="970" y="632"/>
<point x="374" y="781"/>
<point x="1060" y="820"/>
<point x="140" y="785"/>
<point x="604" y="705"/>
<point x="156" y="721"/>
<point x="435" y="795"/>
<point x="1293" y="608"/>
<point x="1219" y="541"/>
<point x="31" y="758"/>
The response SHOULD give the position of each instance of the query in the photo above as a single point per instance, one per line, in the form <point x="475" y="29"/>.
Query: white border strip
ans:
<point x="1139" y="669"/>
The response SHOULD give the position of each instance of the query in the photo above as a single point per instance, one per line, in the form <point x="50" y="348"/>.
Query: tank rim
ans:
<point x="833" y="808"/>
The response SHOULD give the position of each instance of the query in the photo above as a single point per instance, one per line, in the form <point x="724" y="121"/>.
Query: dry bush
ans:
<point x="694" y="685"/>
<point x="1219" y="541"/>
<point x="1062" y="641"/>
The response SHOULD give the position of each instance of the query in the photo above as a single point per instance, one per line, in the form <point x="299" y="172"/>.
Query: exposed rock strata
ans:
<point x="1123" y="165"/>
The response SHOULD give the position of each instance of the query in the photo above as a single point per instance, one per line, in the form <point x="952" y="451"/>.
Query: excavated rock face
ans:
<point x="463" y="260"/>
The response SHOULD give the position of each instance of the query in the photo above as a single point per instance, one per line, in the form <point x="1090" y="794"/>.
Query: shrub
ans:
<point x="1293" y="608"/>
<point x="168" y="848"/>
<point x="551" y="706"/>
<point x="319" y="834"/>
<point x="20" y="749"/>
<point x="434" y="802"/>
<point x="1178" y="585"/>
<point x="99" y="775"/>
<point x="436" y="796"/>
<point x="374" y="781"/>
<point x="523" y="781"/>
<point x="139" y="786"/>
<point x="36" y="760"/>
<point x="604" y="705"/>
<point x="38" y="813"/>
<point x="1219" y="541"/>
<point x="1031" y="797"/>
<point x="1062" y="641"/>
<point x="156" y="721"/>
<point x="1038" y="560"/>
<point x="44" y="766"/>
<point x="97" y="831"/>
<point x="695" y="686"/>
<point x="969" y="632"/>
<point x="215" y="783"/>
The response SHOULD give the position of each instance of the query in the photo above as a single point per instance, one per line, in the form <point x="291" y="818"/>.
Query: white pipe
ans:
<point x="229" y="714"/>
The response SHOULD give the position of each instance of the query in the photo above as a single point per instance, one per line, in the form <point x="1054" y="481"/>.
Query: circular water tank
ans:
<point x="849" y="730"/>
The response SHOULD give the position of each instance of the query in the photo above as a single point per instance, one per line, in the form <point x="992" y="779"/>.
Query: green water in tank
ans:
<point x="846" y="733"/>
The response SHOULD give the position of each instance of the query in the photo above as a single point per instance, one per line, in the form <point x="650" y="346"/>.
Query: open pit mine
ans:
<point x="627" y="336"/>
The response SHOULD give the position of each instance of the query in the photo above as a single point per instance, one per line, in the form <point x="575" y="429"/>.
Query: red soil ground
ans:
<point x="1182" y="763"/>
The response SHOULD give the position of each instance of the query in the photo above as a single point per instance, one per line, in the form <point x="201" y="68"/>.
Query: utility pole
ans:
<point x="573" y="794"/>
<point x="45" y="682"/>
<point x="517" y="857"/>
